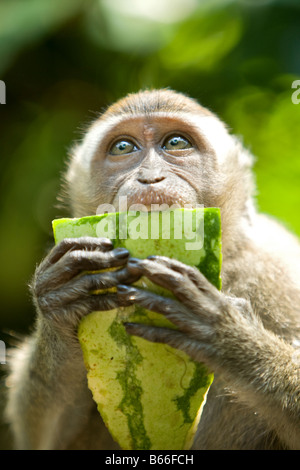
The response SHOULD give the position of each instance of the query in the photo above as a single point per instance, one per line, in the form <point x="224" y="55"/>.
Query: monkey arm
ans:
<point x="49" y="403"/>
<point x="225" y="333"/>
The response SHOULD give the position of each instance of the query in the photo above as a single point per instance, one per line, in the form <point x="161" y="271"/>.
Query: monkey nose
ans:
<point x="151" y="179"/>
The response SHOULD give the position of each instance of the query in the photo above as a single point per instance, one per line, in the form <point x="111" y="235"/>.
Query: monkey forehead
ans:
<point x="208" y="127"/>
<point x="147" y="102"/>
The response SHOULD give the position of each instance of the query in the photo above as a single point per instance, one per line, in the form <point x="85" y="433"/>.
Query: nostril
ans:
<point x="150" y="180"/>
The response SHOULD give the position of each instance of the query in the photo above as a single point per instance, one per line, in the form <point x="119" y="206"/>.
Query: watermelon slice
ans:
<point x="150" y="395"/>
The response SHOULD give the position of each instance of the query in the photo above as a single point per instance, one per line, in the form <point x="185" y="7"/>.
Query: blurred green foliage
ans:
<point x="63" y="62"/>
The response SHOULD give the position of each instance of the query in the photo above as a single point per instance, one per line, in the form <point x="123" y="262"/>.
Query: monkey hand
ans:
<point x="65" y="283"/>
<point x="210" y="325"/>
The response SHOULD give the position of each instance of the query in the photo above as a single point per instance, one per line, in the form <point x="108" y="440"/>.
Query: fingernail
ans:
<point x="133" y="261"/>
<point x="107" y="242"/>
<point x="121" y="253"/>
<point x="124" y="289"/>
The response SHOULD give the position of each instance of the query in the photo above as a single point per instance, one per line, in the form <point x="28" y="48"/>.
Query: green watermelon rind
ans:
<point x="136" y="418"/>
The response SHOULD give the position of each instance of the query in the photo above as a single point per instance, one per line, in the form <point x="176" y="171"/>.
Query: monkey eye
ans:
<point x="122" y="147"/>
<point x="176" y="142"/>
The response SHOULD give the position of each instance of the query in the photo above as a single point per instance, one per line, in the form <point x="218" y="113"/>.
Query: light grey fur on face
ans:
<point x="247" y="333"/>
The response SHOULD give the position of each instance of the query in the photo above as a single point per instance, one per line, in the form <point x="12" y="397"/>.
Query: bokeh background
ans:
<point x="64" y="61"/>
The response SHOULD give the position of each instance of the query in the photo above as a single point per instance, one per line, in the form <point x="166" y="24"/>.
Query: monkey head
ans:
<point x="160" y="147"/>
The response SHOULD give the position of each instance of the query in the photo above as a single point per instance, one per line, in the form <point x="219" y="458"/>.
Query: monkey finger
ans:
<point x="160" y="274"/>
<point x="193" y="273"/>
<point x="90" y="282"/>
<point x="72" y="313"/>
<point x="106" y="302"/>
<point x="155" y="334"/>
<point x="123" y="276"/>
<point x="75" y="262"/>
<point x="82" y="260"/>
<point x="82" y="243"/>
<point x="154" y="271"/>
<point x="86" y="305"/>
<point x="83" y="287"/>
<point x="170" y="308"/>
<point x="178" y="340"/>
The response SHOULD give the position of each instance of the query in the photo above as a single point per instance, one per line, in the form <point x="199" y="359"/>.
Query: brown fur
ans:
<point x="245" y="334"/>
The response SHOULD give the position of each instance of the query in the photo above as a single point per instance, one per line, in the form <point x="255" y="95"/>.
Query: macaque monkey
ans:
<point x="158" y="147"/>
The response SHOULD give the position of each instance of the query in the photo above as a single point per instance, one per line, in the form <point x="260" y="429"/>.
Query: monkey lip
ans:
<point x="155" y="201"/>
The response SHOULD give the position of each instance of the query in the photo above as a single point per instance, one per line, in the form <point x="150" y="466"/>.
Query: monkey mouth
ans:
<point x="150" y="200"/>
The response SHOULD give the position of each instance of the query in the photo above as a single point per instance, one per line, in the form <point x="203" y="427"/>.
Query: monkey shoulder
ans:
<point x="266" y="271"/>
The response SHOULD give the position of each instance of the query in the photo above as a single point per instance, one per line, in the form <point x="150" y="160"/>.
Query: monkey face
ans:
<point x="152" y="160"/>
<point x="153" y="148"/>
